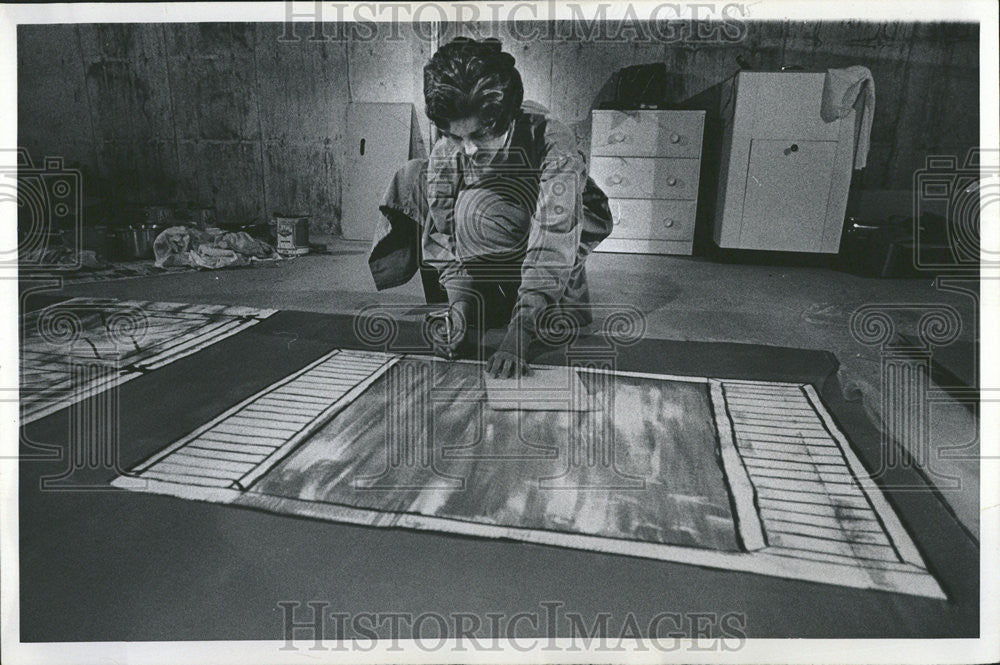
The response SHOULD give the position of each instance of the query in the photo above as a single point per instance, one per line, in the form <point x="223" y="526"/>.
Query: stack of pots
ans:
<point x="134" y="241"/>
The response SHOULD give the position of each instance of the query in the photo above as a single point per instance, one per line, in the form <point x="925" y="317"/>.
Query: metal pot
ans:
<point x="136" y="240"/>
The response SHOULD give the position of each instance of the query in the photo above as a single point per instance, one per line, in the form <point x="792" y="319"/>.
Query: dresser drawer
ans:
<point x="646" y="177"/>
<point x="647" y="133"/>
<point x="652" y="219"/>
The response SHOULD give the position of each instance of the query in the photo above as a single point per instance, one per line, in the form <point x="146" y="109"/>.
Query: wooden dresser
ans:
<point x="648" y="163"/>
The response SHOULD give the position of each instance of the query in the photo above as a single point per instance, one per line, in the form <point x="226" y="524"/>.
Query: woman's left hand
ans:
<point x="503" y="364"/>
<point x="510" y="360"/>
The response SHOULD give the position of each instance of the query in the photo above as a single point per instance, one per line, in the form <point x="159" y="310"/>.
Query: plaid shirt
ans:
<point x="542" y="168"/>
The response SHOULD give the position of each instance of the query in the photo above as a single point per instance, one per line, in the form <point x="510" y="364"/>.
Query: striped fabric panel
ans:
<point x="238" y="442"/>
<point x="804" y="505"/>
<point x="166" y="332"/>
<point x="810" y="503"/>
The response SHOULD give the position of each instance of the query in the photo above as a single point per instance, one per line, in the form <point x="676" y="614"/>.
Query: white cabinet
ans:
<point x="380" y="138"/>
<point x="646" y="177"/>
<point x="648" y="163"/>
<point x="785" y="172"/>
<point x="647" y="133"/>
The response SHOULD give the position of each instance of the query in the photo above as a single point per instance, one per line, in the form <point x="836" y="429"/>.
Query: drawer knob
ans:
<point x="671" y="181"/>
<point x="674" y="138"/>
<point x="668" y="222"/>
<point x="616" y="179"/>
<point x="616" y="138"/>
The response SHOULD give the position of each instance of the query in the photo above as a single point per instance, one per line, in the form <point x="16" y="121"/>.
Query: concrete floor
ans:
<point x="683" y="298"/>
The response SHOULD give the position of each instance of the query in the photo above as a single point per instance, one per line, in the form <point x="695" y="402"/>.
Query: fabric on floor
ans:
<point x="83" y="346"/>
<point x="138" y="566"/>
<point x="410" y="441"/>
<point x="510" y="468"/>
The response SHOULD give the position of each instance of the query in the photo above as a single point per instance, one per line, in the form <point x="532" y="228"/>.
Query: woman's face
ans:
<point x="473" y="136"/>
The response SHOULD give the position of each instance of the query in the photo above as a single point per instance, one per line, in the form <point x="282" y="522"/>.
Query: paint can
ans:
<point x="292" y="233"/>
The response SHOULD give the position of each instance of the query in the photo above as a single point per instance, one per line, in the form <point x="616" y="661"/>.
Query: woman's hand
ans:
<point x="504" y="364"/>
<point x="456" y="332"/>
<point x="510" y="360"/>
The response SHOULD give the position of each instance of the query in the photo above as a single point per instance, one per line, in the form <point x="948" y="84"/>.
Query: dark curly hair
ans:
<point x="468" y="78"/>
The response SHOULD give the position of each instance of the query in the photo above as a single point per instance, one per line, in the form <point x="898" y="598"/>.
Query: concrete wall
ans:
<point x="233" y="116"/>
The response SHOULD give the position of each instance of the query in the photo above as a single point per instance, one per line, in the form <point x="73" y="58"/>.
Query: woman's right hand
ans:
<point x="451" y="344"/>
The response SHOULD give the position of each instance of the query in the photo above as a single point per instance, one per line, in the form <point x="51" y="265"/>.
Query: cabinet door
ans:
<point x="787" y="191"/>
<point x="378" y="142"/>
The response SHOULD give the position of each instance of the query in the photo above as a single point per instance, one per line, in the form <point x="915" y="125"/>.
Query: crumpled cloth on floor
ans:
<point x="212" y="248"/>
<point x="851" y="88"/>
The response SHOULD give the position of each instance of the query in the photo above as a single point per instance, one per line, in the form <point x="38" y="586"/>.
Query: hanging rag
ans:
<point x="851" y="88"/>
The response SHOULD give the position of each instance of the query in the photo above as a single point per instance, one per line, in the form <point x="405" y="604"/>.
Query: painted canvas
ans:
<point x="740" y="475"/>
<point x="80" y="347"/>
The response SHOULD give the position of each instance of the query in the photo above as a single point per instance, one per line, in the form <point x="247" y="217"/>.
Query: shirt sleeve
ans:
<point x="556" y="225"/>
<point x="443" y="184"/>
